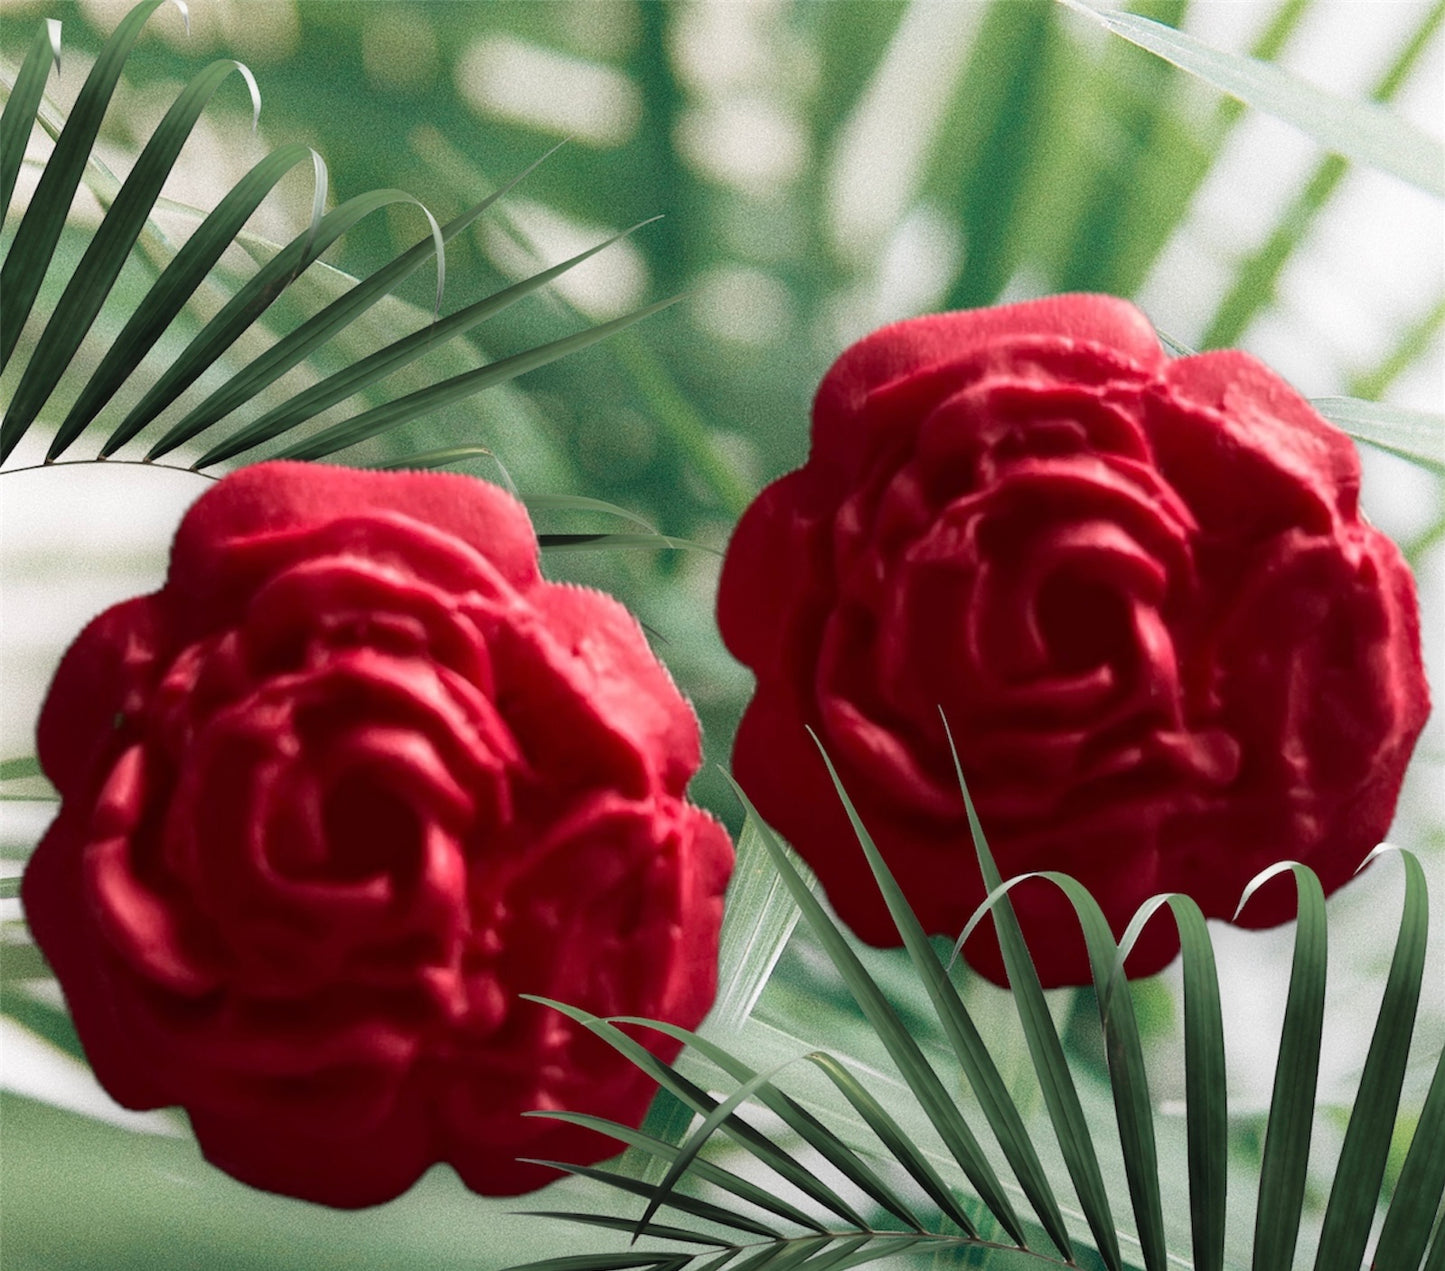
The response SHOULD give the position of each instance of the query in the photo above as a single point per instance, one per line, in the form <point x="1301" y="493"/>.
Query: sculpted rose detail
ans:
<point x="355" y="778"/>
<point x="1169" y="649"/>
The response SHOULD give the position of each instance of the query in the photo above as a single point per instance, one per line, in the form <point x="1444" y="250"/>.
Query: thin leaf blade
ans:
<point x="1205" y="1087"/>
<point x="687" y="1204"/>
<point x="252" y="300"/>
<point x="1417" y="435"/>
<point x="324" y="325"/>
<point x="806" y="1126"/>
<point x="459" y="387"/>
<point x="753" y="1140"/>
<point x="759" y="915"/>
<point x="1057" y="1083"/>
<point x="20" y="107"/>
<point x="688" y="1151"/>
<point x="891" y="1135"/>
<point x="968" y="1046"/>
<point x="1361" y="131"/>
<point x="1287" y="1133"/>
<point x="1361" y="1166"/>
<point x="30" y="253"/>
<point x="660" y="1231"/>
<point x="178" y="282"/>
<point x="369" y="370"/>
<point x="106" y="254"/>
<point x="914" y="1068"/>
<point x="1421" y="1186"/>
<point x="706" y="1171"/>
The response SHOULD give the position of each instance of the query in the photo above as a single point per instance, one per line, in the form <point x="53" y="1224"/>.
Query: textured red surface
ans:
<point x="1170" y="650"/>
<point x="350" y="782"/>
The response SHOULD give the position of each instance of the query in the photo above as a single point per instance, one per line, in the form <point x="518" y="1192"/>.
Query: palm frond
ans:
<point x="964" y="1037"/>
<point x="108" y="251"/>
<point x="179" y="281"/>
<point x="316" y="331"/>
<point x="1060" y="1093"/>
<point x="369" y="370"/>
<point x="262" y="291"/>
<point x="962" y="1214"/>
<point x="1420" y="1188"/>
<point x="459" y="387"/>
<point x="1204" y="1076"/>
<point x="30" y="254"/>
<point x="167" y="304"/>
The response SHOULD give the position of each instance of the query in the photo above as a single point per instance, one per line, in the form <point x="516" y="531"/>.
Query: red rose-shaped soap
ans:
<point x="1169" y="649"/>
<point x="354" y="779"/>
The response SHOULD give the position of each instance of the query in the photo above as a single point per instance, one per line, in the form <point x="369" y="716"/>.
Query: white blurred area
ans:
<point x="75" y="540"/>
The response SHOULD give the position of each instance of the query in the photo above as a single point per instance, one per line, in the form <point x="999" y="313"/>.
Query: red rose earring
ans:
<point x="349" y="783"/>
<point x="1170" y="650"/>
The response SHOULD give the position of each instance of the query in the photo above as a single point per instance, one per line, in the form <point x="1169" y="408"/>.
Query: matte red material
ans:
<point x="1170" y="650"/>
<point x="355" y="778"/>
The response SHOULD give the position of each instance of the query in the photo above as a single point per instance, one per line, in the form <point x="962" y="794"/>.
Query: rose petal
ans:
<point x="586" y="695"/>
<point x="93" y="978"/>
<point x="106" y="675"/>
<point x="918" y="344"/>
<point x="348" y="1171"/>
<point x="638" y="940"/>
<point x="264" y="500"/>
<point x="776" y="576"/>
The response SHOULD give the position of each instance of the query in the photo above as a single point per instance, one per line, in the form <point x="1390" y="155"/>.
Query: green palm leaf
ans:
<point x="1204" y="1075"/>
<point x="1254" y="284"/>
<point x="833" y="1149"/>
<point x="21" y="105"/>
<point x="1060" y="1093"/>
<point x="760" y="1145"/>
<point x="321" y="327"/>
<point x="922" y="1080"/>
<point x="1367" y="1141"/>
<point x="758" y="917"/>
<point x="1435" y="1261"/>
<point x="369" y="370"/>
<point x="1358" y="1174"/>
<point x="108" y="250"/>
<point x="963" y="1035"/>
<point x="179" y="281"/>
<point x="128" y="218"/>
<point x="1287" y="1137"/>
<point x="248" y="304"/>
<point x="1421" y="1186"/>
<point x="29" y="256"/>
<point x="1416" y="435"/>
<point x="701" y="1169"/>
<point x="459" y="387"/>
<point x="1130" y="1088"/>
